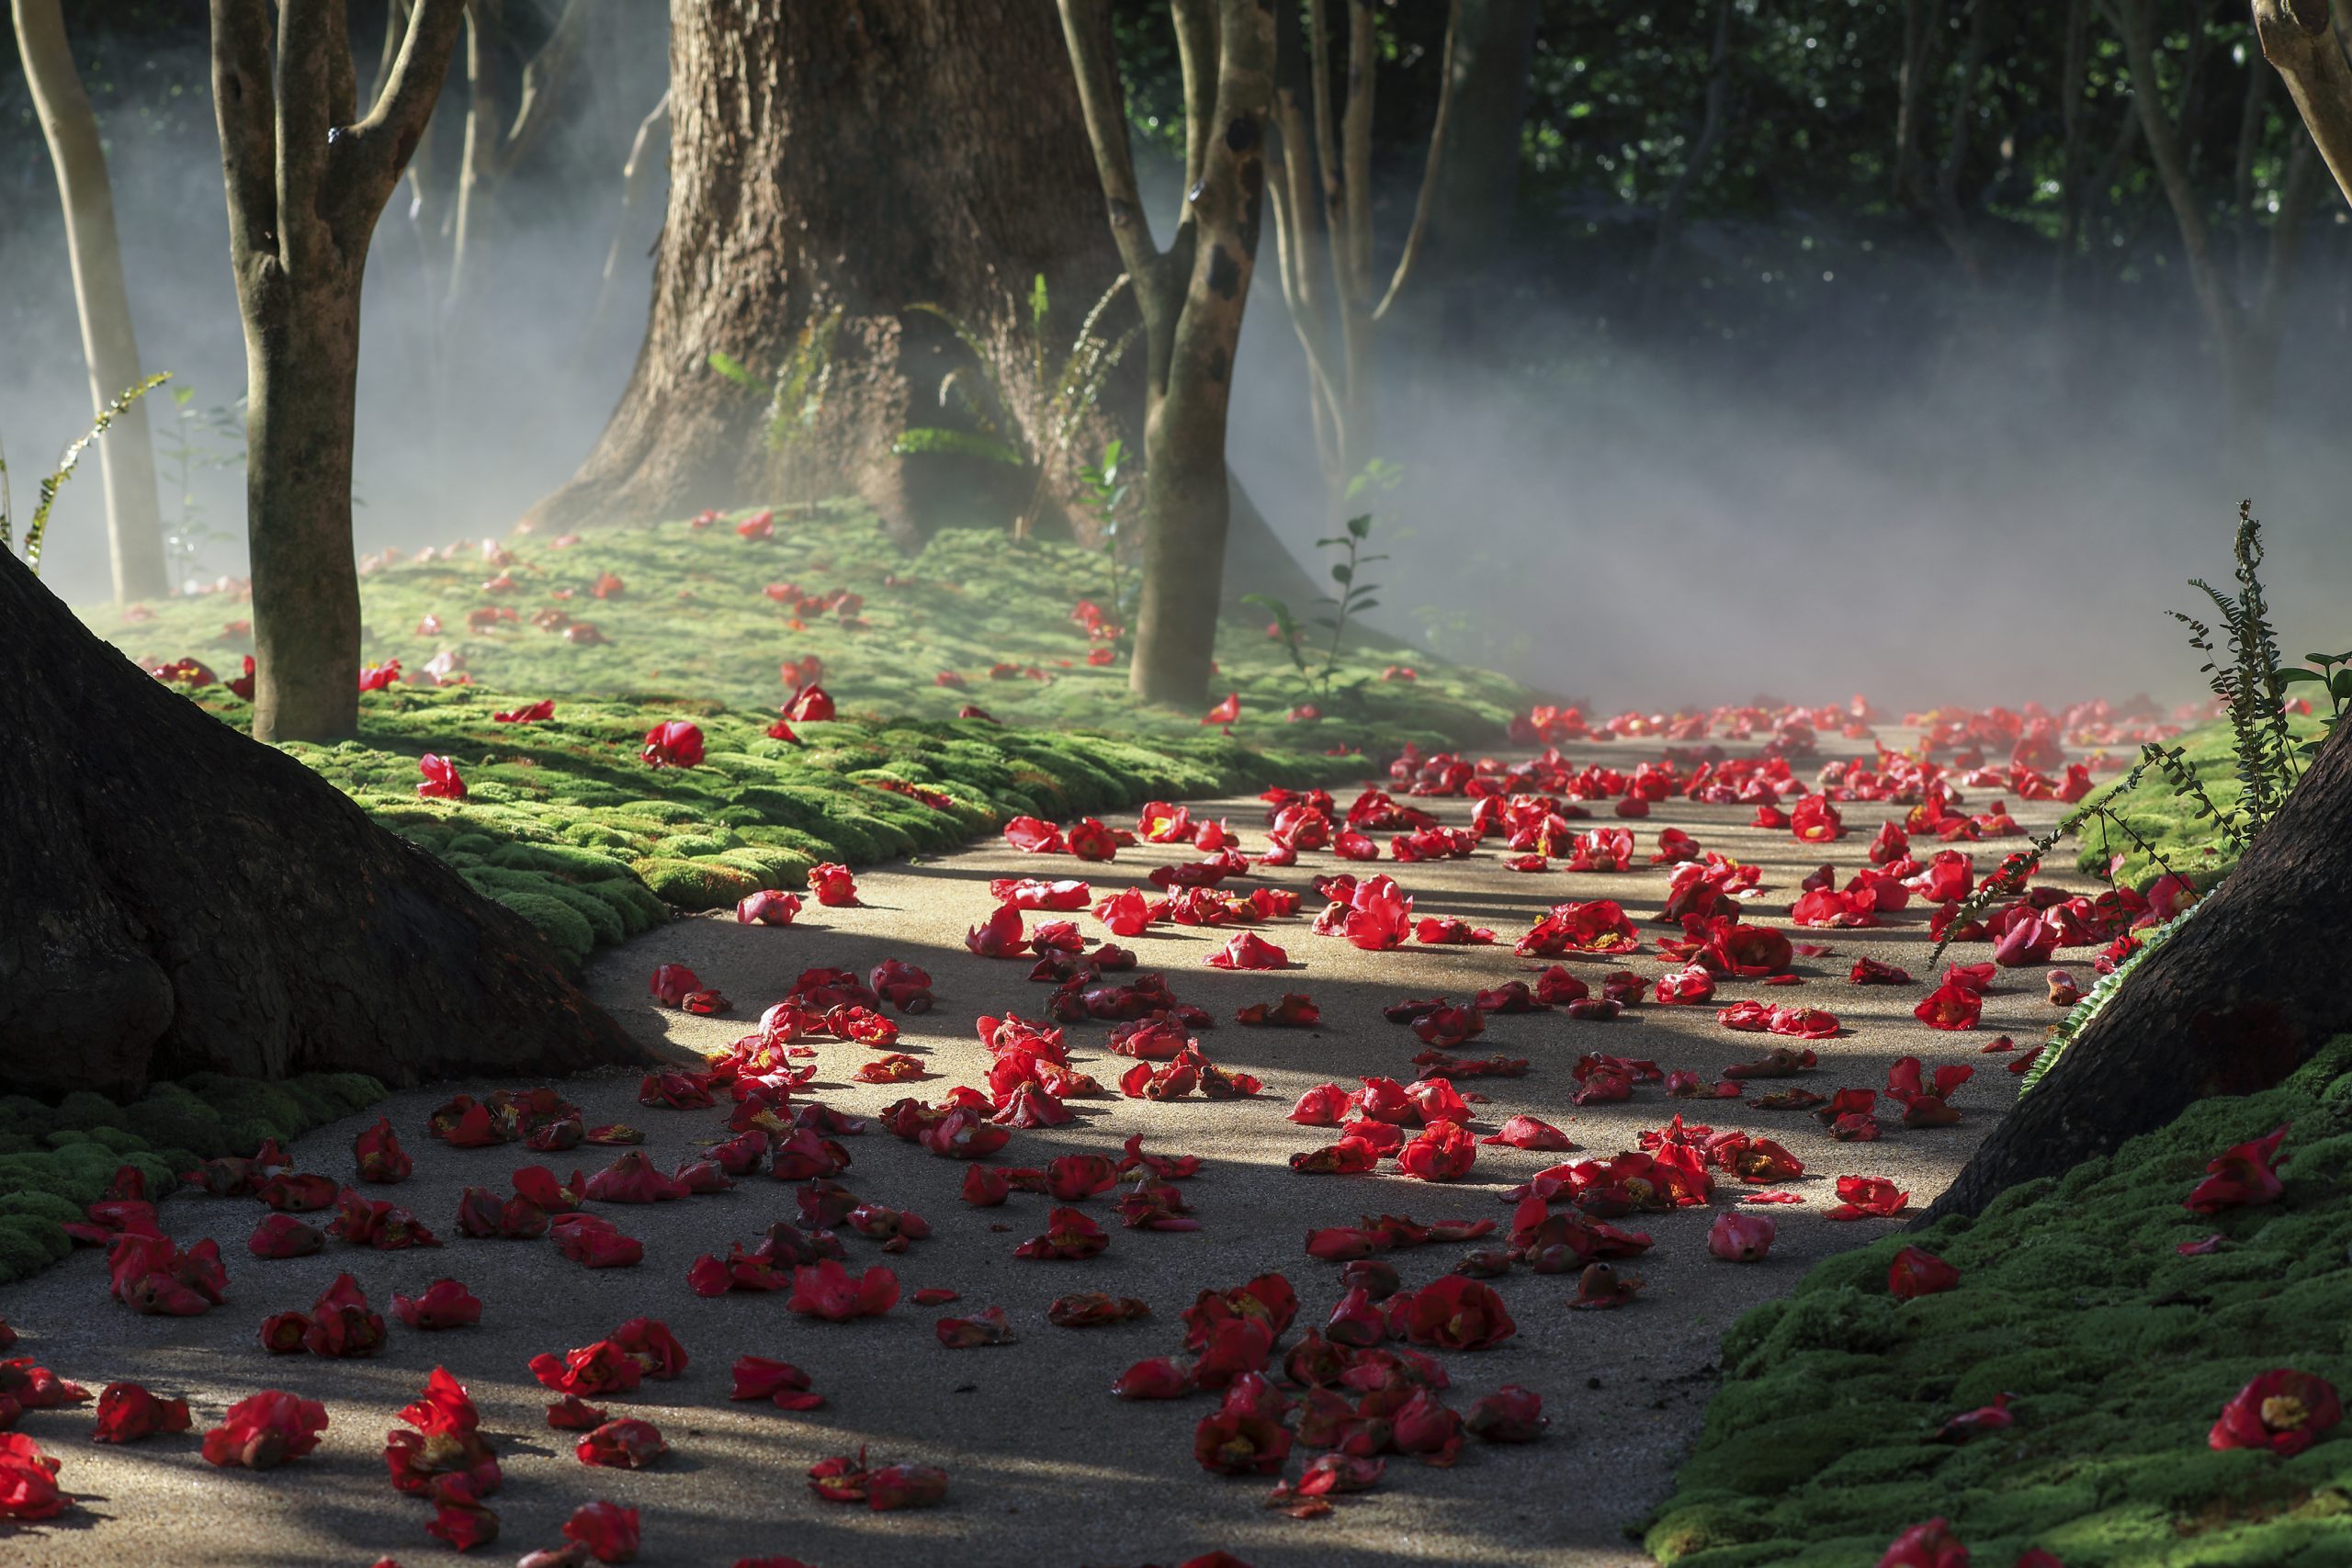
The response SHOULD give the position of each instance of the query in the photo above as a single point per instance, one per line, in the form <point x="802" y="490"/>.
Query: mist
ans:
<point x="1891" y="484"/>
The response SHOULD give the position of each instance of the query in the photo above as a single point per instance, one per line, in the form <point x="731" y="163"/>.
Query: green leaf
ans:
<point x="2290" y="676"/>
<point x="2340" y="688"/>
<point x="735" y="370"/>
<point x="955" y="443"/>
<point x="1341" y="573"/>
<point x="1365" y="604"/>
<point x="1359" y="527"/>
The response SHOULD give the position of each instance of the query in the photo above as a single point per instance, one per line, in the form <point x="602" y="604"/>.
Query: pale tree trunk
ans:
<point x="2303" y="39"/>
<point x="2245" y="332"/>
<point x="306" y="180"/>
<point x="126" y="457"/>
<point x="1339" y="318"/>
<point x="1192" y="296"/>
<point x="496" y="141"/>
<point x="637" y="173"/>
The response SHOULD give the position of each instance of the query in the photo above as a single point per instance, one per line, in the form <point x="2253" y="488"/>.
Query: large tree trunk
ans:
<point x="857" y="159"/>
<point x="2241" y="997"/>
<point x="126" y="459"/>
<point x="182" y="899"/>
<point x="305" y="187"/>
<point x="2303" y="39"/>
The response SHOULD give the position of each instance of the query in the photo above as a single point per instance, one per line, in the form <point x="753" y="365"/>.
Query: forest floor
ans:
<point x="1046" y="1466"/>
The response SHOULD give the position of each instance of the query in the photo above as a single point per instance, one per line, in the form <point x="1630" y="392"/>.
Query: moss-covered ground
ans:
<point x="566" y="824"/>
<point x="54" y="1159"/>
<point x="2119" y="1351"/>
<point x="2171" y="823"/>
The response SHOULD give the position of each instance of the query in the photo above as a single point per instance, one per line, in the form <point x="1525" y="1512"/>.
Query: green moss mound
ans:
<point x="2118" y="1351"/>
<point x="55" y="1160"/>
<point x="2172" y="825"/>
<point x="565" y="824"/>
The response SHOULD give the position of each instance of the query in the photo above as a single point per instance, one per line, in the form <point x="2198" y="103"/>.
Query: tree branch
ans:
<point x="1086" y="28"/>
<point x="309" y="40"/>
<point x="1432" y="169"/>
<point x="2298" y="38"/>
<point x="1197" y="57"/>
<point x="383" y="142"/>
<point x="1352" y="226"/>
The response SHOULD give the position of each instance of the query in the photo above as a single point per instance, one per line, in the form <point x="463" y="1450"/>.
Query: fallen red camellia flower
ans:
<point x="29" y="1487"/>
<point x="1868" y="1197"/>
<point x="769" y="906"/>
<point x="446" y="1304"/>
<point x="674" y="743"/>
<point x="264" y="1430"/>
<point x="2242" y="1177"/>
<point x="1509" y="1415"/>
<point x="1247" y="950"/>
<point x="834" y="887"/>
<point x="2282" y="1410"/>
<point x="781" y="1384"/>
<point x="1929" y="1545"/>
<point x="1741" y="1238"/>
<point x="607" y="1532"/>
<point x="127" y="1413"/>
<point x="1915" y="1273"/>
<point x="625" y="1444"/>
<point x="1456" y="1312"/>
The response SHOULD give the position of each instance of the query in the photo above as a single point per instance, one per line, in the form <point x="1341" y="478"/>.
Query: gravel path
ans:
<point x="1047" y="1467"/>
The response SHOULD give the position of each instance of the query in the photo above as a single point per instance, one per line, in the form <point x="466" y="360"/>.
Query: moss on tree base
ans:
<point x="2120" y="1352"/>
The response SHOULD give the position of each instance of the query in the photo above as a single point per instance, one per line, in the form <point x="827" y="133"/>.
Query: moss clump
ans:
<point x="2117" y="1353"/>
<point x="56" y="1159"/>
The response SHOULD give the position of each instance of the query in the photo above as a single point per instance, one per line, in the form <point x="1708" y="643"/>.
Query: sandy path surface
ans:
<point x="1047" y="1467"/>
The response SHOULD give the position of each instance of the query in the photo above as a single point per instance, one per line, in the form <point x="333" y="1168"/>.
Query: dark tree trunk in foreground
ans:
<point x="851" y="159"/>
<point x="181" y="899"/>
<point x="306" y="180"/>
<point x="2244" y="995"/>
<point x="2299" y="38"/>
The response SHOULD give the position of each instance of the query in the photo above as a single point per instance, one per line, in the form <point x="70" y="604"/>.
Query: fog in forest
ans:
<point x="1916" y="490"/>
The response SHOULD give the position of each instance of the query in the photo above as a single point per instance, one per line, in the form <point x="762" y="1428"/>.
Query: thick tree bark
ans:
<point x="857" y="159"/>
<point x="305" y="187"/>
<point x="2302" y="39"/>
<point x="182" y="899"/>
<point x="2235" y="1001"/>
<point x="126" y="457"/>
<point x="1192" y="296"/>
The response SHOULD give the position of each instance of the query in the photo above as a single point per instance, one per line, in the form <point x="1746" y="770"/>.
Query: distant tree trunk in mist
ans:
<point x="1934" y="188"/>
<point x="306" y="180"/>
<point x="2303" y="39"/>
<point x="1192" y="296"/>
<point x="127" y="458"/>
<point x="1713" y="113"/>
<point x="2245" y="331"/>
<point x="1321" y="184"/>
<point x="1476" y="195"/>
<point x="497" y="141"/>
<point x="838" y="163"/>
<point x="195" y="902"/>
<point x="2232" y="1004"/>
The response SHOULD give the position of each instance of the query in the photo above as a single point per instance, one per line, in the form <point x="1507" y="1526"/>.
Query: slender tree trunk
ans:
<point x="192" y="901"/>
<point x="1191" y="297"/>
<point x="2235" y="1002"/>
<point x="126" y="457"/>
<point x="306" y="182"/>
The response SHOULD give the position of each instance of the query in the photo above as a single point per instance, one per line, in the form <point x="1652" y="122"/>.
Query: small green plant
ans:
<point x="1355" y="597"/>
<point x="2333" y="671"/>
<point x="997" y="432"/>
<point x="1109" y="493"/>
<point x="796" y="396"/>
<point x="2251" y="687"/>
<point x="196" y="439"/>
<point x="38" y="529"/>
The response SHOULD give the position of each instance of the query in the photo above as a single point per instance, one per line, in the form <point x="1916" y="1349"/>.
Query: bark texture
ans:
<point x="1192" y="296"/>
<point x="2240" y="998"/>
<point x="858" y="159"/>
<point x="182" y="899"/>
<point x="2303" y="39"/>
<point x="306" y="184"/>
<point x="126" y="457"/>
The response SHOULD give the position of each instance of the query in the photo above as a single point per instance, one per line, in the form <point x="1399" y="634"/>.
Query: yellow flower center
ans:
<point x="2283" y="1413"/>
